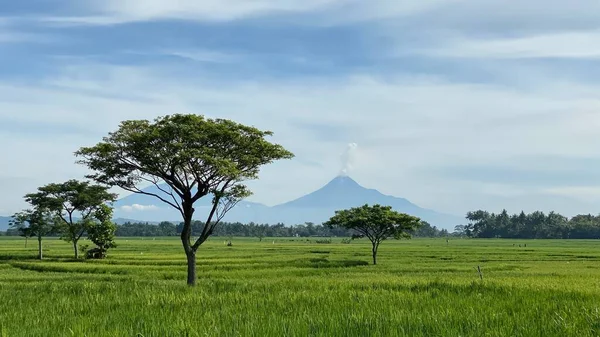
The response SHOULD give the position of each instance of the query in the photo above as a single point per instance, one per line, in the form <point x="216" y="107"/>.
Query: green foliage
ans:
<point x="84" y="248"/>
<point x="32" y="223"/>
<point x="37" y="222"/>
<point x="231" y="228"/>
<point x="165" y="228"/>
<point x="536" y="225"/>
<point x="181" y="148"/>
<point x="74" y="204"/>
<point x="377" y="223"/>
<point x="193" y="155"/>
<point x="423" y="287"/>
<point x="426" y="230"/>
<point x="23" y="230"/>
<point x="102" y="231"/>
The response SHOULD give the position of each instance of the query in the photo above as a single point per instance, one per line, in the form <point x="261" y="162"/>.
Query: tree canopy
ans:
<point x="535" y="225"/>
<point x="74" y="204"/>
<point x="194" y="156"/>
<point x="102" y="231"/>
<point x="377" y="223"/>
<point x="37" y="222"/>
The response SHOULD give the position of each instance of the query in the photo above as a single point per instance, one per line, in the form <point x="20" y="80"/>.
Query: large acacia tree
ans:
<point x="75" y="204"/>
<point x="186" y="157"/>
<point x="377" y="223"/>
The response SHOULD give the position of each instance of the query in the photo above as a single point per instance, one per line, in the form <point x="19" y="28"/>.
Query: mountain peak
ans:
<point x="341" y="192"/>
<point x="343" y="179"/>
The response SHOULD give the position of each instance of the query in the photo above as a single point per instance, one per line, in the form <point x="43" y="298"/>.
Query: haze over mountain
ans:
<point x="340" y="193"/>
<point x="4" y="220"/>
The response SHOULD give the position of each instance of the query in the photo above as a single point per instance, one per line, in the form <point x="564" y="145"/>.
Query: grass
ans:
<point x="292" y="287"/>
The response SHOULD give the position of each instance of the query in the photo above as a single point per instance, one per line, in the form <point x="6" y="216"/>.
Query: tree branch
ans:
<point x="137" y="190"/>
<point x="155" y="183"/>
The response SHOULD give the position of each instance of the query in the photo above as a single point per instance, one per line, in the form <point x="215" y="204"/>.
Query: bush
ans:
<point x="83" y="248"/>
<point x="95" y="253"/>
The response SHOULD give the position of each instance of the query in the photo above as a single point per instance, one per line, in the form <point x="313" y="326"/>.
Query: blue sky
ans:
<point x="454" y="104"/>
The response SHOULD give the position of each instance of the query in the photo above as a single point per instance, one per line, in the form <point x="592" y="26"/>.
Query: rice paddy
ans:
<point x="297" y="287"/>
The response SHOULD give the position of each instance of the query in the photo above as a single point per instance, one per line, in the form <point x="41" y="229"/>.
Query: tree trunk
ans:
<point x="375" y="246"/>
<point x="191" y="262"/>
<point x="40" y="253"/>
<point x="190" y="252"/>
<point x="75" y="249"/>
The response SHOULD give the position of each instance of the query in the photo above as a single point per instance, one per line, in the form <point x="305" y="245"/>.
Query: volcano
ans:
<point x="344" y="192"/>
<point x="340" y="193"/>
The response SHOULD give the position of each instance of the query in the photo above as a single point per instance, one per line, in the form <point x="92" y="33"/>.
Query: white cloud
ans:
<point x="405" y="126"/>
<point x="137" y="207"/>
<point x="577" y="45"/>
<point x="121" y="11"/>
<point x="578" y="192"/>
<point x="426" y="16"/>
<point x="109" y="12"/>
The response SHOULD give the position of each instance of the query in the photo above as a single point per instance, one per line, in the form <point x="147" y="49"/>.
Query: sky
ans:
<point x="455" y="105"/>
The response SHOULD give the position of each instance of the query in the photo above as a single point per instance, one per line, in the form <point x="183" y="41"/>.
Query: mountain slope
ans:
<point x="343" y="192"/>
<point x="4" y="220"/>
<point x="340" y="193"/>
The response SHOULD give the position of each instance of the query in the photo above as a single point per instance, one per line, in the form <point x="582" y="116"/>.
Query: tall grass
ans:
<point x="300" y="288"/>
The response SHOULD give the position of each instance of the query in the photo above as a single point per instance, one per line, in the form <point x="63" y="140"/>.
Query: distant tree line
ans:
<point x="238" y="229"/>
<point x="481" y="224"/>
<point x="231" y="229"/>
<point x="536" y="225"/>
<point x="259" y="231"/>
<point x="251" y="229"/>
<point x="428" y="231"/>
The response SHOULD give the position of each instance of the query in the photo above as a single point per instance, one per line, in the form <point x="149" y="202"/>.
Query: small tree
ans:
<point x="26" y="233"/>
<point x="21" y="228"/>
<point x="74" y="204"/>
<point x="101" y="231"/>
<point x="37" y="222"/>
<point x="186" y="157"/>
<point x="377" y="223"/>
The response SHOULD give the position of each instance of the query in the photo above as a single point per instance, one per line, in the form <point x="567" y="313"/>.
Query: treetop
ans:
<point x="186" y="151"/>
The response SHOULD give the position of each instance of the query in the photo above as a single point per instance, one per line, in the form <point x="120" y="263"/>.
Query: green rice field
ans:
<point x="295" y="287"/>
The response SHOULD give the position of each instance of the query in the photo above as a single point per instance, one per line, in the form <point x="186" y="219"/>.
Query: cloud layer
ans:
<point x="136" y="207"/>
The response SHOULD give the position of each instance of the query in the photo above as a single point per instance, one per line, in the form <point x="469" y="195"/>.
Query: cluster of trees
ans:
<point x="165" y="228"/>
<point x="239" y="229"/>
<point x="71" y="209"/>
<point x="428" y="231"/>
<point x="536" y="225"/>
